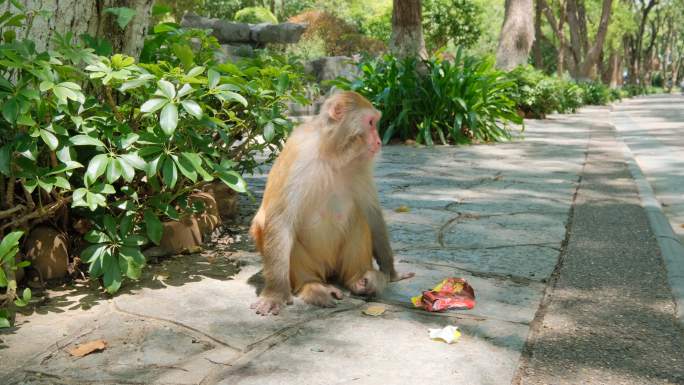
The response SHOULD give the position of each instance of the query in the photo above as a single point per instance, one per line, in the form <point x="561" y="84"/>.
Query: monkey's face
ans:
<point x="369" y="131"/>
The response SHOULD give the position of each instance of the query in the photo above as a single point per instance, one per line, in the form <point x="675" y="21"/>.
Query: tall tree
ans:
<point x="407" y="30"/>
<point x="517" y="34"/>
<point x="586" y="55"/>
<point x="558" y="28"/>
<point x="644" y="8"/>
<point x="92" y="17"/>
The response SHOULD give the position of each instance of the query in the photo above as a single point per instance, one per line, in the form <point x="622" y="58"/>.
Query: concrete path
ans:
<point x="493" y="214"/>
<point x="609" y="315"/>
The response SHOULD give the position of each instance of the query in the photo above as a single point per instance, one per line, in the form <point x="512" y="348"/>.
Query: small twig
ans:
<point x="9" y="198"/>
<point x="10" y="212"/>
<point x="29" y="199"/>
<point x="112" y="104"/>
<point x="42" y="212"/>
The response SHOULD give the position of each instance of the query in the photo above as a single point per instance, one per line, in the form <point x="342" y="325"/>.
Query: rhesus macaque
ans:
<point x="320" y="221"/>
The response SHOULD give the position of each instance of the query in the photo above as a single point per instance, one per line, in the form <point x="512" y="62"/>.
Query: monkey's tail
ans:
<point x="257" y="230"/>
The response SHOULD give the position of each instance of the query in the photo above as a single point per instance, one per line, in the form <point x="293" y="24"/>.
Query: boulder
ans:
<point x="226" y="199"/>
<point x="47" y="250"/>
<point x="224" y="31"/>
<point x="228" y="32"/>
<point x="181" y="236"/>
<point x="283" y="33"/>
<point x="209" y="218"/>
<point x="331" y="67"/>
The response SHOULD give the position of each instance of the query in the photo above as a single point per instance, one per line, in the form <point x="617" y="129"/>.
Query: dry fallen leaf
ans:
<point x="402" y="209"/>
<point x="375" y="310"/>
<point x="88" y="347"/>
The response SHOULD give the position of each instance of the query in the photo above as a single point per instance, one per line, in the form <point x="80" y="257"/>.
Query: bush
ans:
<point x="437" y="100"/>
<point x="338" y="36"/>
<point x="123" y="143"/>
<point x="595" y="93"/>
<point x="255" y="15"/>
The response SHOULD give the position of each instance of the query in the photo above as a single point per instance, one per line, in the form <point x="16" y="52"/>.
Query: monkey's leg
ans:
<point x="355" y="262"/>
<point x="307" y="275"/>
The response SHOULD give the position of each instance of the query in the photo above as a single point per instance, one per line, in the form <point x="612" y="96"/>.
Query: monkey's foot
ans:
<point x="394" y="277"/>
<point x="269" y="304"/>
<point x="372" y="283"/>
<point x="318" y="294"/>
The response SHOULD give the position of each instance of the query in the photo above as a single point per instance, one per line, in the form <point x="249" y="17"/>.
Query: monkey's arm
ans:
<point x="382" y="251"/>
<point x="277" y="246"/>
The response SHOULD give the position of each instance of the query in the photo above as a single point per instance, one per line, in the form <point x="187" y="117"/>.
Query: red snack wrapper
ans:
<point x="450" y="294"/>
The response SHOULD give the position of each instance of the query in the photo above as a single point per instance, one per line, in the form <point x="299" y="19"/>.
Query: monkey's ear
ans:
<point x="336" y="111"/>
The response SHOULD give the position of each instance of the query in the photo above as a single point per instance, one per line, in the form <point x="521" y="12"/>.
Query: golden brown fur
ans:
<point x="320" y="221"/>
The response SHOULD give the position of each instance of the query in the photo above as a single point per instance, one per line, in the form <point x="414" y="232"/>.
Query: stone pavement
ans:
<point x="493" y="214"/>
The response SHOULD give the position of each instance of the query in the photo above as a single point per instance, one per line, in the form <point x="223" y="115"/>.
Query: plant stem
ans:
<point x="40" y="213"/>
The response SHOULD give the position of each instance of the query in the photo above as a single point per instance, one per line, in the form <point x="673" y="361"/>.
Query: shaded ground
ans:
<point x="609" y="319"/>
<point x="493" y="214"/>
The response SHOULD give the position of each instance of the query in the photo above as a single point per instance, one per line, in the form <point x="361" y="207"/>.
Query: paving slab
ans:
<point x="391" y="349"/>
<point x="493" y="214"/>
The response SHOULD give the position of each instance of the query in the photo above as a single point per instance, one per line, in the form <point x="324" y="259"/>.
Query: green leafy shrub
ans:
<point x="122" y="143"/>
<point x="444" y="101"/>
<point x="9" y="247"/>
<point x="338" y="36"/>
<point x="255" y="15"/>
<point x="596" y="93"/>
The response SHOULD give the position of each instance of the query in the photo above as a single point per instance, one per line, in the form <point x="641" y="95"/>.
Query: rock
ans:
<point x="181" y="236"/>
<point x="284" y="33"/>
<point x="209" y="219"/>
<point x="224" y="31"/>
<point x="46" y="248"/>
<point x="226" y="199"/>
<point x="331" y="67"/>
<point x="228" y="32"/>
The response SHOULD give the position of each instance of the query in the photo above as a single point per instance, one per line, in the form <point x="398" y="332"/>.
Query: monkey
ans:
<point x="320" y="219"/>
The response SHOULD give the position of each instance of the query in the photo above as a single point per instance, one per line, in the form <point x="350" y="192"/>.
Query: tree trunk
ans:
<point x="637" y="54"/>
<point x="558" y="30"/>
<point x="88" y="17"/>
<point x="587" y="68"/>
<point x="536" y="47"/>
<point x="615" y="70"/>
<point x="407" y="29"/>
<point x="517" y="34"/>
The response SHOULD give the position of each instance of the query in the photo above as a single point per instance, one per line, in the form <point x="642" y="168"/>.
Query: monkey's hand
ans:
<point x="394" y="276"/>
<point x="270" y="304"/>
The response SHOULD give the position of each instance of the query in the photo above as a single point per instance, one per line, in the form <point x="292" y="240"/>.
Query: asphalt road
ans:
<point x="608" y="316"/>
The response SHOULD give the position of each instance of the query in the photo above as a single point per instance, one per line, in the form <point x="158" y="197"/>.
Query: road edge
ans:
<point x="671" y="249"/>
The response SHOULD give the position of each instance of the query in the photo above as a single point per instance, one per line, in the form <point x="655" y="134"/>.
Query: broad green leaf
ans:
<point x="128" y="140"/>
<point x="192" y="108"/>
<point x="110" y="226"/>
<point x="166" y="89"/>
<point x="124" y="15"/>
<point x="96" y="236"/>
<point x="4" y="323"/>
<point x="93" y="252"/>
<point x="269" y="132"/>
<point x="186" y="89"/>
<point x="135" y="83"/>
<point x="111" y="272"/>
<point x="153" y="227"/>
<point x="50" y="139"/>
<point x="153" y="105"/>
<point x="127" y="170"/>
<point x="195" y="71"/>
<point x="184" y="53"/>
<point x="169" y="119"/>
<point x="233" y="180"/>
<point x="134" y="254"/>
<point x="169" y="173"/>
<point x="85" y="140"/>
<point x="186" y="168"/>
<point x="230" y="96"/>
<point x="96" y="168"/>
<point x="113" y="170"/>
<point x="134" y="160"/>
<point x="10" y="110"/>
<point x="62" y="183"/>
<point x="126" y="225"/>
<point x="8" y="243"/>
<point x="213" y="78"/>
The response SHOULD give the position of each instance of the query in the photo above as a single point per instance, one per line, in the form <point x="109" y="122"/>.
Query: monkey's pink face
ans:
<point x="370" y="123"/>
